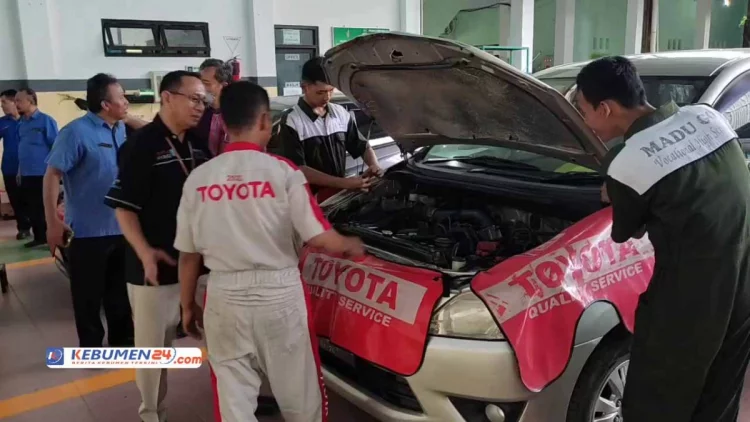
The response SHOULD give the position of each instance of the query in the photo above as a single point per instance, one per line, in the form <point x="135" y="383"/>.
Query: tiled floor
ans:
<point x="37" y="314"/>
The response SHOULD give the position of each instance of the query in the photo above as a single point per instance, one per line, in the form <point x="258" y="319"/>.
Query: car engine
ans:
<point x="457" y="231"/>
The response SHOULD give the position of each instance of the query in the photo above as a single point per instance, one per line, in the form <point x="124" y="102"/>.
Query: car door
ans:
<point x="734" y="103"/>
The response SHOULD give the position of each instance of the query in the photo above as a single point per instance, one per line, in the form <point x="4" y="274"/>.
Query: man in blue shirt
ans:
<point x="84" y="157"/>
<point x="36" y="132"/>
<point x="9" y="137"/>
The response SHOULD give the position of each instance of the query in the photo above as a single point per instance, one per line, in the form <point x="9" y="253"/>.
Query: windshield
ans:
<point x="659" y="89"/>
<point x="524" y="159"/>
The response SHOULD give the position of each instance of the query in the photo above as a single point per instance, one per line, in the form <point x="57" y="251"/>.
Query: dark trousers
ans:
<point x="691" y="345"/>
<point x="97" y="278"/>
<point x="18" y="202"/>
<point x="33" y="192"/>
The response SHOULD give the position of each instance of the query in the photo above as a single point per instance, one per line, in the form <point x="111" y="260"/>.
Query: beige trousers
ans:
<point x="256" y="325"/>
<point x="156" y="313"/>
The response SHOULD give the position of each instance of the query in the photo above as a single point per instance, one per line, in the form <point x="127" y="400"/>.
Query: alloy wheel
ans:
<point x="608" y="406"/>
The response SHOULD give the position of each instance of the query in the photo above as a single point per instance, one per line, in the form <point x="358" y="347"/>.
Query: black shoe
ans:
<point x="25" y="234"/>
<point x="35" y="243"/>
<point x="267" y="406"/>
<point x="3" y="279"/>
<point x="180" y="331"/>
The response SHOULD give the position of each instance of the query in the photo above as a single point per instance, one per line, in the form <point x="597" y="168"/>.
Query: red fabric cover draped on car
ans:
<point x="538" y="297"/>
<point x="377" y="310"/>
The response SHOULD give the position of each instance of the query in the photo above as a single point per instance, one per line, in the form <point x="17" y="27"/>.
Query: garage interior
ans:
<point x="53" y="46"/>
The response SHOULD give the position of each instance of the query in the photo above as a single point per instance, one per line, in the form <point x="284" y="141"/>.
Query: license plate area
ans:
<point x="341" y="354"/>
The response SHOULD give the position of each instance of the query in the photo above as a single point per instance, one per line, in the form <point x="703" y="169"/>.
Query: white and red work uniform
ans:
<point x="241" y="211"/>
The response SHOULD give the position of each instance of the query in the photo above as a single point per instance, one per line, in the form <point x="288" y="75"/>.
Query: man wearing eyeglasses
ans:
<point x="153" y="166"/>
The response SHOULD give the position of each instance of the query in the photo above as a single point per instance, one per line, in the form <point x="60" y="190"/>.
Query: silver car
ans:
<point x="447" y="104"/>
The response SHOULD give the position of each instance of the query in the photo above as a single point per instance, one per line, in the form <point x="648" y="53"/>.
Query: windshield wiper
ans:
<point x="577" y="176"/>
<point x="486" y="160"/>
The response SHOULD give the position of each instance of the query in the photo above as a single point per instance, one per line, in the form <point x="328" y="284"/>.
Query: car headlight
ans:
<point x="465" y="316"/>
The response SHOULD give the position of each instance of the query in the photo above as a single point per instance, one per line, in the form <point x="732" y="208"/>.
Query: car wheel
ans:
<point x="597" y="396"/>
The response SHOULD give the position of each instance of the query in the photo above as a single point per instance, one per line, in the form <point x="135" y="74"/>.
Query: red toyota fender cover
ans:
<point x="537" y="298"/>
<point x="375" y="309"/>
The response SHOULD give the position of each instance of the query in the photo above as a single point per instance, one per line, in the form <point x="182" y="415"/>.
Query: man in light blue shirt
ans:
<point x="84" y="157"/>
<point x="9" y="138"/>
<point x="36" y="134"/>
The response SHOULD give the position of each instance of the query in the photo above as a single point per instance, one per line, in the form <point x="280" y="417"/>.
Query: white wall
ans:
<point x="11" y="65"/>
<point x="329" y="13"/>
<point x="80" y="33"/>
<point x="61" y="39"/>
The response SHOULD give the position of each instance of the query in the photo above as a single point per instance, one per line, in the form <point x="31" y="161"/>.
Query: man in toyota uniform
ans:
<point x="681" y="176"/>
<point x="316" y="135"/>
<point x="238" y="214"/>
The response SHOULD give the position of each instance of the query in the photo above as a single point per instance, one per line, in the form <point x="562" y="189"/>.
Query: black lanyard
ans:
<point x="114" y="141"/>
<point x="179" y="157"/>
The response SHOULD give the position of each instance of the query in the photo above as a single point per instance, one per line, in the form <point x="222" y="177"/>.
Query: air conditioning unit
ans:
<point x="156" y="77"/>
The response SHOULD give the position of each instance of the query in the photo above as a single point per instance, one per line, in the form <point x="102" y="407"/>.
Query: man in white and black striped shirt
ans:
<point x="316" y="135"/>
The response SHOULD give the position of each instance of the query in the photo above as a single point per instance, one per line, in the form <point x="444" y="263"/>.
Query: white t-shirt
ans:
<point x="241" y="210"/>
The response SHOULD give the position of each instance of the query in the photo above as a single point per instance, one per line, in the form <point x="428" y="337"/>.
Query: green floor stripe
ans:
<point x="13" y="251"/>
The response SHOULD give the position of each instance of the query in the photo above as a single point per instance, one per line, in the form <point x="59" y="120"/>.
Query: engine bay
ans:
<point x="450" y="229"/>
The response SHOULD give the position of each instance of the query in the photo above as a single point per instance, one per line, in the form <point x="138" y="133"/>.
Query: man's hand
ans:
<point x="134" y="122"/>
<point x="353" y="247"/>
<point x="361" y="183"/>
<point x="374" y="171"/>
<point x="605" y="195"/>
<point x="55" y="234"/>
<point x="150" y="261"/>
<point x="192" y="320"/>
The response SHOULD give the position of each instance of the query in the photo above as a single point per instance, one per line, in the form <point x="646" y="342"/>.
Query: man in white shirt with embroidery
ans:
<point x="681" y="176"/>
<point x="239" y="212"/>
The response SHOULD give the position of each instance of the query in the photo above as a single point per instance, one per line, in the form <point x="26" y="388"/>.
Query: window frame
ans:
<point x="316" y="38"/>
<point x="161" y="47"/>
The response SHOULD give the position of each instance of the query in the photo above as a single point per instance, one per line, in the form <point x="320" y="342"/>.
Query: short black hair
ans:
<point x="31" y="93"/>
<point x="9" y="93"/>
<point x="223" y="72"/>
<point x="97" y="90"/>
<point x="611" y="78"/>
<point x="312" y="71"/>
<point x="173" y="80"/>
<point x="241" y="103"/>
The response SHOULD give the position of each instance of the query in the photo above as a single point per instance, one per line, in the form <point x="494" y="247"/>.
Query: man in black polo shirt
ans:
<point x="316" y="135"/>
<point x="153" y="166"/>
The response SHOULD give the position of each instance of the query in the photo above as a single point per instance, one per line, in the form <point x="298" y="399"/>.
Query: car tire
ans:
<point x="595" y="393"/>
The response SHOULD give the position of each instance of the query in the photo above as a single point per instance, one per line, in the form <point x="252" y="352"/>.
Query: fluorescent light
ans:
<point x="727" y="3"/>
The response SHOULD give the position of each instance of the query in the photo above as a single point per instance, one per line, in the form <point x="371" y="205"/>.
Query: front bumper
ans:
<point x="455" y="383"/>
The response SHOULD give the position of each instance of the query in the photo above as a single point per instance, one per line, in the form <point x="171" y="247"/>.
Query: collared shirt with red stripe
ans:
<point x="241" y="211"/>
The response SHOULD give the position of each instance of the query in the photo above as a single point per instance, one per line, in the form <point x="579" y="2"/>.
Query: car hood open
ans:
<point x="425" y="91"/>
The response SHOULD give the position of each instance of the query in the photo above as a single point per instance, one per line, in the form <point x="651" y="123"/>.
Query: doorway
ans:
<point x="294" y="46"/>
